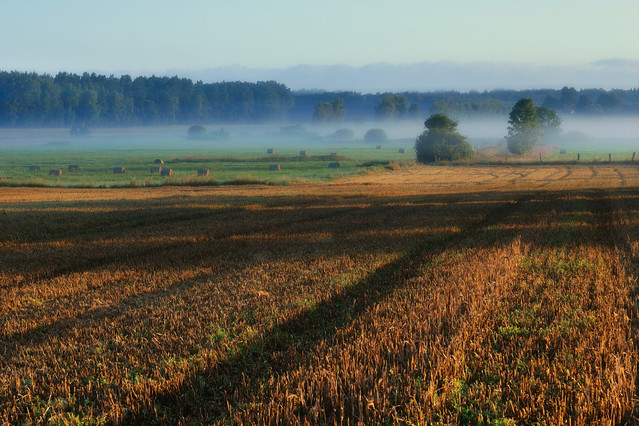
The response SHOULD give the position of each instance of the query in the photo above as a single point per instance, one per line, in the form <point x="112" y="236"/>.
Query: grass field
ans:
<point x="240" y="160"/>
<point x="243" y="159"/>
<point x="447" y="294"/>
<point x="225" y="166"/>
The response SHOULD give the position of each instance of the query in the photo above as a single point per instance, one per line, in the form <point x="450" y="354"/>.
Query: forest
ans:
<point x="29" y="99"/>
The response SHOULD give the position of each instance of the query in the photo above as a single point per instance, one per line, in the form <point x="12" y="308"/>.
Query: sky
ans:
<point x="159" y="37"/>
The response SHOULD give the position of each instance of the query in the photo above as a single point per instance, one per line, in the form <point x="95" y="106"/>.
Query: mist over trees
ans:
<point x="524" y="131"/>
<point x="68" y="100"/>
<point x="329" y="112"/>
<point x="530" y="124"/>
<point x="71" y="100"/>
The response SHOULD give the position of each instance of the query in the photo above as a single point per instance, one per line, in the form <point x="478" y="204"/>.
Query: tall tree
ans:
<point x="524" y="131"/>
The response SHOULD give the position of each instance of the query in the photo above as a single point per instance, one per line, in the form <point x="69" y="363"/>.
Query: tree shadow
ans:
<point x="207" y="393"/>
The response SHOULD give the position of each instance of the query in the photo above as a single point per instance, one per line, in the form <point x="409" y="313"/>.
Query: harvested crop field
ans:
<point x="446" y="294"/>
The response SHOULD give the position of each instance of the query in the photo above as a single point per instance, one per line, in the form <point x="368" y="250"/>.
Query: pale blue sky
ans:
<point x="158" y="35"/>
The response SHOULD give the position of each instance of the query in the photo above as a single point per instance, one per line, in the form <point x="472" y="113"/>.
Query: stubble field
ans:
<point x="445" y="294"/>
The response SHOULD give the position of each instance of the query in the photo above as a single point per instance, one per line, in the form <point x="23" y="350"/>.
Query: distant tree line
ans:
<point x="415" y="105"/>
<point x="30" y="99"/>
<point x="68" y="100"/>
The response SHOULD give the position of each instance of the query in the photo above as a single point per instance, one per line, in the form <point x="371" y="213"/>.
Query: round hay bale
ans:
<point x="402" y="150"/>
<point x="270" y="151"/>
<point x="34" y="168"/>
<point x="56" y="172"/>
<point x="203" y="172"/>
<point x="333" y="165"/>
<point x="156" y="169"/>
<point x="378" y="147"/>
<point x="118" y="170"/>
<point x="274" y="167"/>
<point x="158" y="161"/>
<point x="166" y="172"/>
<point x="303" y="153"/>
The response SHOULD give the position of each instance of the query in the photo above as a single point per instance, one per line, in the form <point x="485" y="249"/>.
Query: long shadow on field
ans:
<point x="206" y="393"/>
<point x="209" y="392"/>
<point x="174" y="232"/>
<point x="13" y="345"/>
<point x="168" y="255"/>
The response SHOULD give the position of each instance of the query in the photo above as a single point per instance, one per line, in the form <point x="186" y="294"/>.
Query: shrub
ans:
<point x="196" y="131"/>
<point x="441" y="141"/>
<point x="375" y="135"/>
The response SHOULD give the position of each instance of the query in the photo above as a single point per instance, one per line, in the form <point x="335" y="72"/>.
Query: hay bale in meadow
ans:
<point x="56" y="172"/>
<point x="270" y="151"/>
<point x="166" y="172"/>
<point x="303" y="153"/>
<point x="274" y="167"/>
<point x="333" y="165"/>
<point x="158" y="161"/>
<point x="402" y="150"/>
<point x="562" y="151"/>
<point x="203" y="172"/>
<point x="73" y="167"/>
<point x="156" y="169"/>
<point x="118" y="170"/>
<point x="378" y="147"/>
<point x="34" y="168"/>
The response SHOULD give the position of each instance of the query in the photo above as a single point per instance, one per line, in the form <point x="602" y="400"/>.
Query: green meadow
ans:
<point x="226" y="165"/>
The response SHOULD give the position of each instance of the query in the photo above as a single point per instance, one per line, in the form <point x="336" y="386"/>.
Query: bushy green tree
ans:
<point x="524" y="131"/>
<point x="441" y="141"/>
